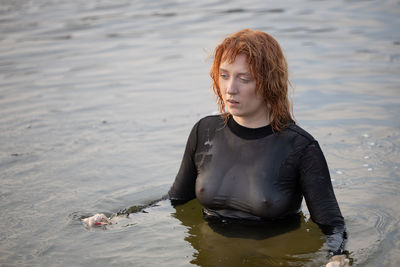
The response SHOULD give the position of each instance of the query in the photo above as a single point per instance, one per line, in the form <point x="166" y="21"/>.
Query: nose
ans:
<point x="231" y="87"/>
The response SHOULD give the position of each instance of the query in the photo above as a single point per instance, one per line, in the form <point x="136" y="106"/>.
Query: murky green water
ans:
<point x="97" y="99"/>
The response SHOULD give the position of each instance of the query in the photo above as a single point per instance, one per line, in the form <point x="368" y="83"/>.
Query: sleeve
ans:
<point x="320" y="199"/>
<point x="183" y="188"/>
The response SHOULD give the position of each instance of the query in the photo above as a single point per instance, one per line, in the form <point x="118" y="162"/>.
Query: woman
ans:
<point x="252" y="162"/>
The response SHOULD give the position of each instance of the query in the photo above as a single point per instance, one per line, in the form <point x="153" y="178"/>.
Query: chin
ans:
<point x="236" y="114"/>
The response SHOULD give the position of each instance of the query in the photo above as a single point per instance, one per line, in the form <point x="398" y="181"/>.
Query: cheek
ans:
<point x="250" y="93"/>
<point x="222" y="86"/>
<point x="253" y="97"/>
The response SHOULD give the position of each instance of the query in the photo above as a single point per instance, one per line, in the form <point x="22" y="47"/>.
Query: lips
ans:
<point x="232" y="101"/>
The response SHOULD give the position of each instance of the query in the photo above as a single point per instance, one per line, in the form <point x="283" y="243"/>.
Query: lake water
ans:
<point x="97" y="99"/>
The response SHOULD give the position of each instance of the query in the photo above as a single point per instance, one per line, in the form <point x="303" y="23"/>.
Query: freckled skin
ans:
<point x="238" y="89"/>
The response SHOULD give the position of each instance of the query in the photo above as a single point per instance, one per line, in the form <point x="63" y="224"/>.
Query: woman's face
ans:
<point x="238" y="89"/>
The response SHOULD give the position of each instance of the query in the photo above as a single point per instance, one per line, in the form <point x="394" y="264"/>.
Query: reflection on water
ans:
<point x="226" y="244"/>
<point x="97" y="99"/>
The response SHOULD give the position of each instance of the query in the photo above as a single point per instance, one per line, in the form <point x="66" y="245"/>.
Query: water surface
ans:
<point x="97" y="99"/>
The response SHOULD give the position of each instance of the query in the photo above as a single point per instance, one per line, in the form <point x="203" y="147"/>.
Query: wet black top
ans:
<point x="256" y="174"/>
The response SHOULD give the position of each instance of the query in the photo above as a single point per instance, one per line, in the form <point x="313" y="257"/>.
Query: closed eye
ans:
<point x="224" y="76"/>
<point x="245" y="78"/>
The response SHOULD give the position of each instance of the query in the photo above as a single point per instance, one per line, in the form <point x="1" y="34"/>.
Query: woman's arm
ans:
<point x="183" y="188"/>
<point x="320" y="199"/>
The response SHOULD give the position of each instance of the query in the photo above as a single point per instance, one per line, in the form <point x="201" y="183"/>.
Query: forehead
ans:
<point x="239" y="63"/>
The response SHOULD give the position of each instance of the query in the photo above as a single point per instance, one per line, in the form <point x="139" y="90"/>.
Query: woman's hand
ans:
<point x="338" y="261"/>
<point x="96" y="220"/>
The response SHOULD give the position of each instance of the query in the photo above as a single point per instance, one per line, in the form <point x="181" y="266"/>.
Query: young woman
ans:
<point x="252" y="162"/>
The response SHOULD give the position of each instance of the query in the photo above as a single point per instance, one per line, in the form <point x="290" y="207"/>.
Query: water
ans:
<point x="97" y="99"/>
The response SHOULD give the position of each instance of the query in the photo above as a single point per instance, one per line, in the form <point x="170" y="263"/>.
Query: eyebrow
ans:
<point x="240" y="73"/>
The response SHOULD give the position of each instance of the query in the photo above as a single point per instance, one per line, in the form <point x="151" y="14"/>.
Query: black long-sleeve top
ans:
<point x="256" y="174"/>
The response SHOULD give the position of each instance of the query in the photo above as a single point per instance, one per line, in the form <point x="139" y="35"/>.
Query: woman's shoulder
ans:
<point x="298" y="133"/>
<point x="211" y="121"/>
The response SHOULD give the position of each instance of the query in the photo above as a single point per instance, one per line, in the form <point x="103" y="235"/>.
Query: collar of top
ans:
<point x="248" y="133"/>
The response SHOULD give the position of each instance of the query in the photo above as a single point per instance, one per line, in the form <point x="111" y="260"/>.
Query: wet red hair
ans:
<point x="267" y="66"/>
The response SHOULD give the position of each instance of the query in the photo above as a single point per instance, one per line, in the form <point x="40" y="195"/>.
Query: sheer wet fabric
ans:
<point x="258" y="175"/>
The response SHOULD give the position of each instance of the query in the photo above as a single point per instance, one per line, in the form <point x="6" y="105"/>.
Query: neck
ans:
<point x="253" y="122"/>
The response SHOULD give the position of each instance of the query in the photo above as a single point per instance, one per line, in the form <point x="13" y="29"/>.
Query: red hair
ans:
<point x="267" y="66"/>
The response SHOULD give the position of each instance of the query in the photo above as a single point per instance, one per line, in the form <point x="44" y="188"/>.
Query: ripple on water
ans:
<point x="68" y="65"/>
<point x="369" y="226"/>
